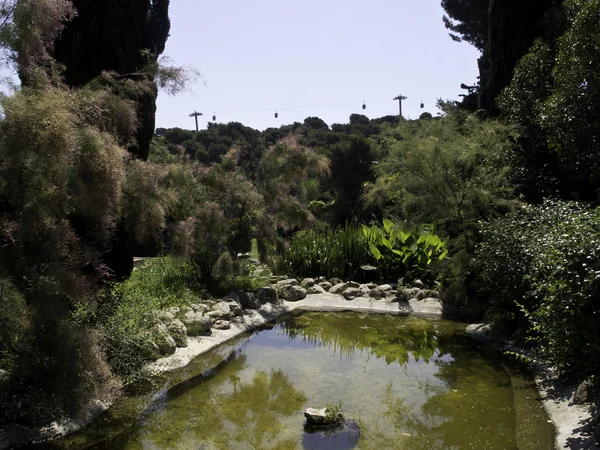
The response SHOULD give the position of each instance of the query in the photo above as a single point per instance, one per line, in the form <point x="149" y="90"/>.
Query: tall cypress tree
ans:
<point x="467" y="20"/>
<point x="513" y="26"/>
<point x="121" y="36"/>
<point x="125" y="37"/>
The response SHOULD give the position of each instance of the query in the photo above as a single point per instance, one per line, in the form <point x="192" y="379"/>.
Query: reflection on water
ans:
<point x="408" y="383"/>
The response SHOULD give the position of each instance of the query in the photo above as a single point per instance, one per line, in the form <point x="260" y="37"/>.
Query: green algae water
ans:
<point x="407" y="383"/>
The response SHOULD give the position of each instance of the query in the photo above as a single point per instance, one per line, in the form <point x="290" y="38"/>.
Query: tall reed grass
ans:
<point x="338" y="253"/>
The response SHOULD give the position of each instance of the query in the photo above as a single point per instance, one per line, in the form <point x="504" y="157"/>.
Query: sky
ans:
<point x="311" y="58"/>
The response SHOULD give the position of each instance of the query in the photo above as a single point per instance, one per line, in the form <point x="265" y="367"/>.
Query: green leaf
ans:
<point x="388" y="225"/>
<point x="443" y="255"/>
<point x="374" y="251"/>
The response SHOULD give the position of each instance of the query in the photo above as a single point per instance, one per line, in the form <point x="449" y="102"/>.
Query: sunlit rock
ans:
<point x="178" y="332"/>
<point x="326" y="285"/>
<point x="316" y="289"/>
<point x="221" y="311"/>
<point x="293" y="293"/>
<point x="196" y="323"/>
<point x="307" y="282"/>
<point x="338" y="288"/>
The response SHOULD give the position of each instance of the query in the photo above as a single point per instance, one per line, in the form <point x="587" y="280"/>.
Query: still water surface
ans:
<point x="408" y="383"/>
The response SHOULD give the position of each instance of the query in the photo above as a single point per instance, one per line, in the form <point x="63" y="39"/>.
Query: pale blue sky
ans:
<point x="311" y="58"/>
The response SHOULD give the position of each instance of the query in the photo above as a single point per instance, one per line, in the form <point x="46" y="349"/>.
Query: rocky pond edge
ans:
<point x="567" y="417"/>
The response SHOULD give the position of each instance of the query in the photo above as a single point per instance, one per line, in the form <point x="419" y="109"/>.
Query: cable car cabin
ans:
<point x="364" y="105"/>
<point x="214" y="117"/>
<point x="422" y="105"/>
<point x="276" y="115"/>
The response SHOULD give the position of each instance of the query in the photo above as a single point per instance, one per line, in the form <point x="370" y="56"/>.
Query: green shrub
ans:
<point x="540" y="268"/>
<point x="13" y="323"/>
<point x="160" y="283"/>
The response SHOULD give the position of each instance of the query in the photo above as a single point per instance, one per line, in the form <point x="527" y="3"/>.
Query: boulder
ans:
<point x="221" y="325"/>
<point x="287" y="282"/>
<point x="316" y="289"/>
<point x="165" y="315"/>
<point x="253" y="302"/>
<point x="378" y="294"/>
<point x="307" y="282"/>
<point x="335" y="281"/>
<point x="235" y="308"/>
<point x="384" y="288"/>
<point x="197" y="324"/>
<point x="364" y="290"/>
<point x="412" y="292"/>
<point x="585" y="392"/>
<point x="178" y="332"/>
<point x="422" y="294"/>
<point x="371" y="286"/>
<point x="221" y="311"/>
<point x="150" y="350"/>
<point x="293" y="293"/>
<point x="351" y="293"/>
<point x="267" y="294"/>
<point x="276" y="278"/>
<point x="338" y="288"/>
<point x="326" y="285"/>
<point x="173" y="310"/>
<point x="248" y="300"/>
<point x="163" y="340"/>
<point x="418" y="284"/>
<point x="323" y="416"/>
<point x="233" y="295"/>
<point x="353" y="284"/>
<point x="381" y="291"/>
<point x="200" y="307"/>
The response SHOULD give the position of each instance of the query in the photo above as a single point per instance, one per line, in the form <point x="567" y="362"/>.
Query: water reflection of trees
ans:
<point x="256" y="409"/>
<point x="474" y="412"/>
<point x="223" y="414"/>
<point x="393" y="339"/>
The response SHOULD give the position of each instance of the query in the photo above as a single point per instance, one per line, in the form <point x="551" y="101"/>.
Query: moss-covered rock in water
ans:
<point x="328" y="416"/>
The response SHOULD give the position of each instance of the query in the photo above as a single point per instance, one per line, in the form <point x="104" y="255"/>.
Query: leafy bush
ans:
<point x="403" y="253"/>
<point x="449" y="172"/>
<point x="540" y="268"/>
<point x="13" y="322"/>
<point x="160" y="283"/>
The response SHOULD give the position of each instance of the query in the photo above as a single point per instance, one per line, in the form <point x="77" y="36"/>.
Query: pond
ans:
<point x="407" y="383"/>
